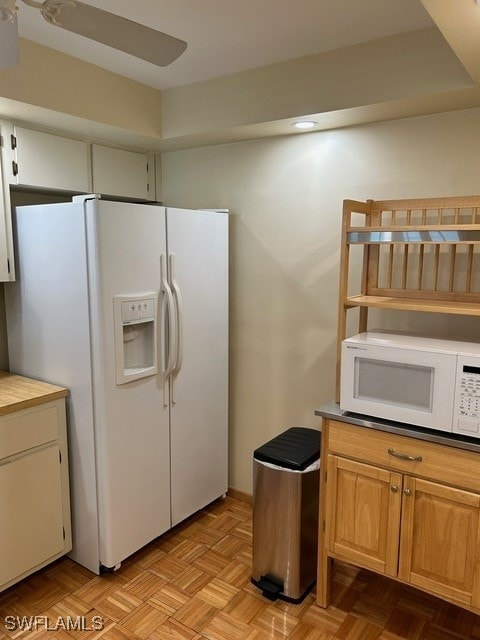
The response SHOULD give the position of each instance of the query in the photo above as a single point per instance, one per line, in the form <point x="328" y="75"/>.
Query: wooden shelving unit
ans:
<point x="418" y="255"/>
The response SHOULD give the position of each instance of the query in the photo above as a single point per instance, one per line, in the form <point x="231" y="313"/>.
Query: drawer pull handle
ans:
<point x="404" y="456"/>
<point x="394" y="488"/>
<point x="407" y="492"/>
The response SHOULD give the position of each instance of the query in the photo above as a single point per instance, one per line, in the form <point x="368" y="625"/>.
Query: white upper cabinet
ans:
<point x="50" y="161"/>
<point x="127" y="174"/>
<point x="7" y="267"/>
<point x="158" y="178"/>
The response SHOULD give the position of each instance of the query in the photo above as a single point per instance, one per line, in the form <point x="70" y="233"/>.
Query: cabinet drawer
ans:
<point x="28" y="428"/>
<point x="439" y="462"/>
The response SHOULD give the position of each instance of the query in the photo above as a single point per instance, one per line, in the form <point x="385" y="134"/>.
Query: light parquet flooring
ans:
<point x="194" y="584"/>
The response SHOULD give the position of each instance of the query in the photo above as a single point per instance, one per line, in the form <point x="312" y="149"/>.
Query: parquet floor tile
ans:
<point x="223" y="626"/>
<point x="328" y="620"/>
<point x="118" y="605"/>
<point x="305" y="631"/>
<point x="218" y="593"/>
<point x="244" y="607"/>
<point x="192" y="580"/>
<point x="169" y="599"/>
<point x="193" y="583"/>
<point x="402" y="624"/>
<point x="196" y="613"/>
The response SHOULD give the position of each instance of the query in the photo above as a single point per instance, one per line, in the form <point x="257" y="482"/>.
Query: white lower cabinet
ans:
<point x="34" y="499"/>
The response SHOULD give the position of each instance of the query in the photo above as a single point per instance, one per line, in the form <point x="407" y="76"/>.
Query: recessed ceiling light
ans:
<point x="304" y="124"/>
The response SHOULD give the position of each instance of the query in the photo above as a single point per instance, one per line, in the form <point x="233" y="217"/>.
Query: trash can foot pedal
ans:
<point x="270" y="587"/>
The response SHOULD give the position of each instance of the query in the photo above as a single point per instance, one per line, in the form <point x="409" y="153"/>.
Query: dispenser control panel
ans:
<point x="135" y="318"/>
<point x="133" y="310"/>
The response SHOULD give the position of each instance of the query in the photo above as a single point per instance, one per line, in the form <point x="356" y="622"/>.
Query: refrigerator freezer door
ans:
<point x="125" y="242"/>
<point x="199" y="408"/>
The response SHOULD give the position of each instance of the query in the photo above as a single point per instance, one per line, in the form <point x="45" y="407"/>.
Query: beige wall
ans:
<point x="52" y="80"/>
<point x="285" y="196"/>
<point x="400" y="67"/>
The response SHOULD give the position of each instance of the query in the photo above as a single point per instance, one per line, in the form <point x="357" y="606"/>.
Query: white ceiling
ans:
<point x="225" y="36"/>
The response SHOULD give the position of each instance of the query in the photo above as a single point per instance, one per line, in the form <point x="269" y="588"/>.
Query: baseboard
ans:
<point x="243" y="496"/>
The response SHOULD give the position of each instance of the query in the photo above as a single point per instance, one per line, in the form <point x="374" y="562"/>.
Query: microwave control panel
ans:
<point x="467" y="399"/>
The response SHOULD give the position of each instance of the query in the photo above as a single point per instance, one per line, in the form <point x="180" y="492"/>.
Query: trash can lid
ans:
<point x="296" y="449"/>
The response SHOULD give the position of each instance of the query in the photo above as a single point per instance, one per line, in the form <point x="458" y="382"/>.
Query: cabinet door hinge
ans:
<point x="14" y="168"/>
<point x="60" y="456"/>
<point x="8" y="265"/>
<point x="13" y="141"/>
<point x="63" y="529"/>
<point x="148" y="187"/>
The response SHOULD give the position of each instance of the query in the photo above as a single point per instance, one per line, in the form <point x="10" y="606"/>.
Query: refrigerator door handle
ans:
<point x="170" y="315"/>
<point x="179" y="302"/>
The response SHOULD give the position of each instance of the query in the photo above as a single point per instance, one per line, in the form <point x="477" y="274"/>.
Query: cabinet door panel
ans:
<point x="31" y="530"/>
<point x="363" y="514"/>
<point x="52" y="162"/>
<point x="7" y="267"/>
<point x="439" y="549"/>
<point x="121" y="173"/>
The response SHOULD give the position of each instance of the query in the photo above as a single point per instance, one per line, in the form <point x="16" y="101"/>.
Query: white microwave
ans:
<point x="422" y="381"/>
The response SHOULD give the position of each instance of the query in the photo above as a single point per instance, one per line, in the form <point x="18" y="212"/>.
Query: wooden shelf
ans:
<point x="418" y="255"/>
<point x="413" y="304"/>
<point x="433" y="234"/>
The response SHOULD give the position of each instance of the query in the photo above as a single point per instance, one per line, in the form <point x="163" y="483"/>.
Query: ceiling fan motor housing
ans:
<point x="8" y="11"/>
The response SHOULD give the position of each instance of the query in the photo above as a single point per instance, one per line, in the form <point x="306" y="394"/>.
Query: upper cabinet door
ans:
<point x="123" y="173"/>
<point x="50" y="162"/>
<point x="7" y="267"/>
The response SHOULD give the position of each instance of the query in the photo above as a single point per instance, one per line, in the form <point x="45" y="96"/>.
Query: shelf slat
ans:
<point x="416" y="227"/>
<point x="437" y="234"/>
<point x="415" y="304"/>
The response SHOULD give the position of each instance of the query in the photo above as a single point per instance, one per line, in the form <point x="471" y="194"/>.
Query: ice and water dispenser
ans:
<point x="135" y="336"/>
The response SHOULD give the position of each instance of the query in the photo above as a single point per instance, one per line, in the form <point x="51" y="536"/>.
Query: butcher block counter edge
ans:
<point x="17" y="392"/>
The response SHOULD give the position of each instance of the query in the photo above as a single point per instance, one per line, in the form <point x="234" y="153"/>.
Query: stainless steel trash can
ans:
<point x="285" y="514"/>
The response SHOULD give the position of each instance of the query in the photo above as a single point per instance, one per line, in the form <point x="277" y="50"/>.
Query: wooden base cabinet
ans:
<point x="440" y="541"/>
<point x="363" y="514"/>
<point x="423" y="531"/>
<point x="34" y="490"/>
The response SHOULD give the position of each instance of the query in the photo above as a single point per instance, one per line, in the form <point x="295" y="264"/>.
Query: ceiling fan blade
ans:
<point x="8" y="43"/>
<point x="117" y="32"/>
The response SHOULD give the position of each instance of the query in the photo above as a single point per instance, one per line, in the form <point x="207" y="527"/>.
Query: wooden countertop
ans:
<point x="17" y="392"/>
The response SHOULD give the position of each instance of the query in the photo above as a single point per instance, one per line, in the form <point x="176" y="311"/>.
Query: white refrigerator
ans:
<point x="126" y="305"/>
